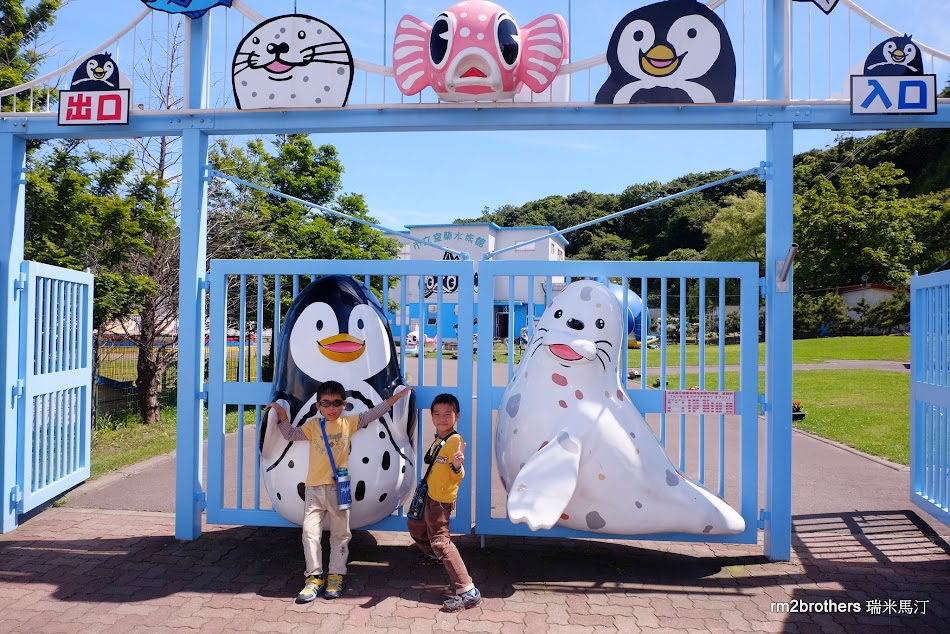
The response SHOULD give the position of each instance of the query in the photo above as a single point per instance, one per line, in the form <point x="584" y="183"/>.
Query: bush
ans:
<point x="825" y="316"/>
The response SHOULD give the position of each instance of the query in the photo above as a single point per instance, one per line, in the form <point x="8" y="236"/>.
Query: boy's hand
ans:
<point x="459" y="458"/>
<point x="281" y="413"/>
<point x="398" y="395"/>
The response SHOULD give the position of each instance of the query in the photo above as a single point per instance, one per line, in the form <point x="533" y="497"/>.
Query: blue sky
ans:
<point x="418" y="178"/>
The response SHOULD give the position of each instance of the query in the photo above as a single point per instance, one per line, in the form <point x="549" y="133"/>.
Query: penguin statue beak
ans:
<point x="342" y="348"/>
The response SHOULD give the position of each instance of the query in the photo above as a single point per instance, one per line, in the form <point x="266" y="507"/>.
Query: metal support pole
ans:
<point x="12" y="212"/>
<point x="778" y="345"/>
<point x="189" y="492"/>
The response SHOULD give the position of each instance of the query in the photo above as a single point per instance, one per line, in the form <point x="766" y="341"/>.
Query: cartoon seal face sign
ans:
<point x="895" y="57"/>
<point x="191" y="8"/>
<point x="676" y="51"/>
<point x="292" y="61"/>
<point x="573" y="450"/>
<point x="476" y="51"/>
<point x="99" y="72"/>
<point x="335" y="329"/>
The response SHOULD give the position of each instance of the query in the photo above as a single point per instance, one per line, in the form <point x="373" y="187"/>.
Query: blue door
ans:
<point x="55" y="384"/>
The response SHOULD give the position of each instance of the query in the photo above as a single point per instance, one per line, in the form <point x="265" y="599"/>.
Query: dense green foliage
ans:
<point x="20" y="57"/>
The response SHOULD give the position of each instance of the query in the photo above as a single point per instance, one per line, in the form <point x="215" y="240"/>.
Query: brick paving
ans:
<point x="88" y="570"/>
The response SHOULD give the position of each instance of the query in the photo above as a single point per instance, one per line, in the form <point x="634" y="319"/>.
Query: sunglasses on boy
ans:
<point x="337" y="403"/>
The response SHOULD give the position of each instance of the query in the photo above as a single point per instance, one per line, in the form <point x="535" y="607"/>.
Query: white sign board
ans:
<point x="697" y="402"/>
<point x="886" y="94"/>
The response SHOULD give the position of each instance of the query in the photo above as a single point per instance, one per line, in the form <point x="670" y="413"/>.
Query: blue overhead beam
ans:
<point x="447" y="117"/>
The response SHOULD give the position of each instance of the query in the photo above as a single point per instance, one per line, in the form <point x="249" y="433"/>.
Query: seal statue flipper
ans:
<point x="544" y="486"/>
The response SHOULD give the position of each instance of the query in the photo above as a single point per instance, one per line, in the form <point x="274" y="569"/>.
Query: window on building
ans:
<point x="432" y="320"/>
<point x="527" y="247"/>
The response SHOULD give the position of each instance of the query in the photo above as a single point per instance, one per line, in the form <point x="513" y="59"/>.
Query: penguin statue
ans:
<point x="335" y="329"/>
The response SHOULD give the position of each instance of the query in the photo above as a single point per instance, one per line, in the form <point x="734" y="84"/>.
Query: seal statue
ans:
<point x="572" y="449"/>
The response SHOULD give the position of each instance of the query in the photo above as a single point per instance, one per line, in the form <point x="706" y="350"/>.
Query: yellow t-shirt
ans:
<point x="443" y="481"/>
<point x="338" y="434"/>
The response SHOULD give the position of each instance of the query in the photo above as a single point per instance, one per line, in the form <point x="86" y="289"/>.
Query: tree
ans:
<point x="856" y="227"/>
<point x="737" y="233"/>
<point x="20" y="56"/>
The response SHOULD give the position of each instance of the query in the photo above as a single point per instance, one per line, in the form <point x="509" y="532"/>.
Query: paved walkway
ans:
<point x="864" y="560"/>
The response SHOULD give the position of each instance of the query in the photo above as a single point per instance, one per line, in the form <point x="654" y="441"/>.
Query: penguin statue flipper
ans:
<point x="273" y="444"/>
<point x="544" y="486"/>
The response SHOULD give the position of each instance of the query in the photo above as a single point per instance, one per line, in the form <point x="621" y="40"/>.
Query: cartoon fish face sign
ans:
<point x="99" y="72"/>
<point x="896" y="56"/>
<point x="476" y="51"/>
<point x="677" y="51"/>
<point x="191" y="8"/>
<point x="335" y="329"/>
<point x="292" y="61"/>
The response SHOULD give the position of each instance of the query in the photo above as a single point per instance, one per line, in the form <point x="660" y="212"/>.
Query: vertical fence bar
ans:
<point x="701" y="335"/>
<point x="665" y="331"/>
<point x="722" y="386"/>
<point x="684" y="326"/>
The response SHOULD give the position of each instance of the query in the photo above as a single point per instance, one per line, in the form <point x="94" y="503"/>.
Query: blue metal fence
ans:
<point x="243" y="299"/>
<point x="717" y="451"/>
<point x="56" y="381"/>
<point x="930" y="394"/>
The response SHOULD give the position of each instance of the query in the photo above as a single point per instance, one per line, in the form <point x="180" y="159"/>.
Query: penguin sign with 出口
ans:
<point x="676" y="51"/>
<point x="336" y="330"/>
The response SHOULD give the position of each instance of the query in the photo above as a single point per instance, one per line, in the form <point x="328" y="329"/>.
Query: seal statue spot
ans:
<point x="562" y="404"/>
<point x="513" y="404"/>
<point x="707" y="529"/>
<point x="579" y="395"/>
<point x="565" y="516"/>
<point x="619" y="395"/>
<point x="559" y="379"/>
<point x="595" y="521"/>
<point x="522" y="487"/>
<point x="601" y="476"/>
<point x="585" y="293"/>
<point x="290" y="464"/>
<point x="639" y="506"/>
<point x="633" y="435"/>
<point x="565" y="441"/>
<point x="671" y="478"/>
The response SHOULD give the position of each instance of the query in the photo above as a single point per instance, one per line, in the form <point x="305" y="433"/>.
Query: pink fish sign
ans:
<point x="476" y="51"/>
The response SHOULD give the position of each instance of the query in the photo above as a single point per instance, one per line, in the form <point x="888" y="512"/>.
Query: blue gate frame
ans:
<point x="54" y="434"/>
<point x="711" y="464"/>
<point x="237" y="383"/>
<point x="930" y="394"/>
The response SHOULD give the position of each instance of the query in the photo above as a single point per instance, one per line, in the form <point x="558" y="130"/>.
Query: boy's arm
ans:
<point x="369" y="416"/>
<point x="286" y="430"/>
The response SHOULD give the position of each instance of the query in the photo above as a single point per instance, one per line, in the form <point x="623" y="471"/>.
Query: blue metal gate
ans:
<point x="717" y="451"/>
<point x="55" y="382"/>
<point x="244" y="294"/>
<point x="930" y="393"/>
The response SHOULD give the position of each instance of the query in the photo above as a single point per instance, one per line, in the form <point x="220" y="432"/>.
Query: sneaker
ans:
<point x="463" y="601"/>
<point x="312" y="589"/>
<point x="334" y="587"/>
<point x="428" y="560"/>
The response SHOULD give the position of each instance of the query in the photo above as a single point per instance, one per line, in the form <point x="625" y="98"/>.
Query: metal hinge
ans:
<point x="764" y="516"/>
<point x="761" y="287"/>
<point x="16" y="497"/>
<point x="202" y="499"/>
<point x="203" y="395"/>
<point x="19" y="285"/>
<point x="763" y="404"/>
<point x="204" y="285"/>
<point x="18" y="389"/>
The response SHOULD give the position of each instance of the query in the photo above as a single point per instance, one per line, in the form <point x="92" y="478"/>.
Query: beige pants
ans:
<point x="431" y="534"/>
<point x="321" y="503"/>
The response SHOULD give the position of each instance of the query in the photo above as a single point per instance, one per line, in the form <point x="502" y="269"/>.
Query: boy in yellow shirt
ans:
<point x="328" y="429"/>
<point x="431" y="531"/>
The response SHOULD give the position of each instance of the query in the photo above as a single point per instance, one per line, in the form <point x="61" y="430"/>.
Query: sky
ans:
<point x="425" y="178"/>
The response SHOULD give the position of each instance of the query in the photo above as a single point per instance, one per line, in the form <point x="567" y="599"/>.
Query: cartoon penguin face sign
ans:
<point x="896" y="56"/>
<point x="676" y="51"/>
<point x="190" y="8"/>
<point x="292" y="61"/>
<point x="99" y="72"/>
<point x="335" y="329"/>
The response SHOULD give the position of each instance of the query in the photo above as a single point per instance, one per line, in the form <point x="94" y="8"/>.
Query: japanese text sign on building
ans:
<point x="696" y="402"/>
<point x="99" y="94"/>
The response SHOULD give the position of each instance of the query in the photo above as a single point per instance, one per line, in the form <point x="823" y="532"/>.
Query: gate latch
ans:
<point x="16" y="497"/>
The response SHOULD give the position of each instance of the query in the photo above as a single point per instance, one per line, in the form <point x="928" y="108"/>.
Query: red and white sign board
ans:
<point x="696" y="402"/>
<point x="94" y="107"/>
